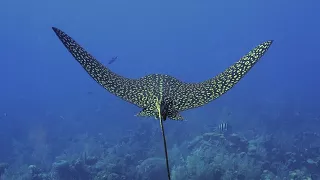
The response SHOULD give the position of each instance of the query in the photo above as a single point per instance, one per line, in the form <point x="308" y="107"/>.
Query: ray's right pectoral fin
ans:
<point x="175" y="115"/>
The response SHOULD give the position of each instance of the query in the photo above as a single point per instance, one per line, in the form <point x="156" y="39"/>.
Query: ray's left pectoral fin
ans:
<point x="146" y="112"/>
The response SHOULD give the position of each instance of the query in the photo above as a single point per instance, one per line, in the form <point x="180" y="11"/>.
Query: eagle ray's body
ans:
<point x="158" y="95"/>
<point x="176" y="95"/>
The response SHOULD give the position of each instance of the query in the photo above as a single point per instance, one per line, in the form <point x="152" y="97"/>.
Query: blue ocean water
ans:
<point x="51" y="110"/>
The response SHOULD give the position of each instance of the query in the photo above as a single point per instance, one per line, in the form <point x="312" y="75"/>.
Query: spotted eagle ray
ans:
<point x="159" y="95"/>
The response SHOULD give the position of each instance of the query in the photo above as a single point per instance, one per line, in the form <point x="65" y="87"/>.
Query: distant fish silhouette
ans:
<point x="113" y="59"/>
<point x="3" y="115"/>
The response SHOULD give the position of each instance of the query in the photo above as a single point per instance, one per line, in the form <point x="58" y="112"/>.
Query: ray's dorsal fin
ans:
<point x="125" y="88"/>
<point x="192" y="95"/>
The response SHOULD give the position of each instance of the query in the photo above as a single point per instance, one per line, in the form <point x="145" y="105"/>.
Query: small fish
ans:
<point x="113" y="59"/>
<point x="224" y="127"/>
<point x="3" y="116"/>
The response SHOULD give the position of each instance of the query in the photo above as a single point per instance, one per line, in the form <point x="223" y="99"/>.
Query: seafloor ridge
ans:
<point x="207" y="156"/>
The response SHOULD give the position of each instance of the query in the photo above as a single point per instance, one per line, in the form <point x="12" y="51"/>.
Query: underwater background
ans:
<point x="56" y="122"/>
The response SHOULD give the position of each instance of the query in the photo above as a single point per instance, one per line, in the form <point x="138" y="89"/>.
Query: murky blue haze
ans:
<point x="49" y="104"/>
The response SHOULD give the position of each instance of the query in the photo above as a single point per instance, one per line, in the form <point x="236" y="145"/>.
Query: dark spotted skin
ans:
<point x="171" y="94"/>
<point x="192" y="95"/>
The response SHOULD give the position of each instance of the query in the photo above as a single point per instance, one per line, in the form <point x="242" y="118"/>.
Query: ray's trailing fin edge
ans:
<point x="163" y="96"/>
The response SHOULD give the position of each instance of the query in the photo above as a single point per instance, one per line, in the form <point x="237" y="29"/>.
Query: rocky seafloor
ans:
<point x="208" y="156"/>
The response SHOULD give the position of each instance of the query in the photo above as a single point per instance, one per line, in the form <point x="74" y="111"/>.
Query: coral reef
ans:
<point x="207" y="156"/>
<point x="3" y="167"/>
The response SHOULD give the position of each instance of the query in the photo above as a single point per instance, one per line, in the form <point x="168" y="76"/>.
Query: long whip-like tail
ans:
<point x="164" y="141"/>
<point x="165" y="148"/>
